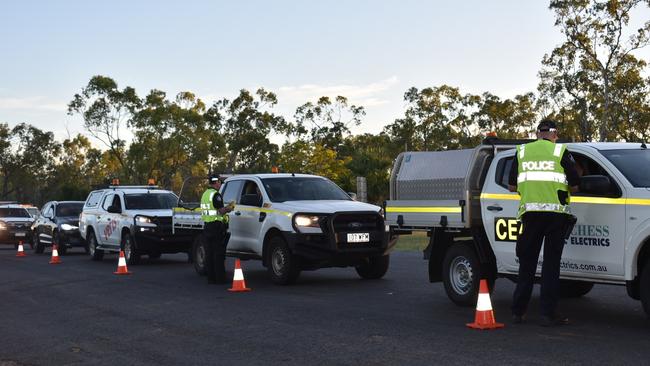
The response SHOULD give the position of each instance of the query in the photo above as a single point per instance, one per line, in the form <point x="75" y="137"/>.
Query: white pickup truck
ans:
<point x="295" y="222"/>
<point x="136" y="219"/>
<point x="460" y="198"/>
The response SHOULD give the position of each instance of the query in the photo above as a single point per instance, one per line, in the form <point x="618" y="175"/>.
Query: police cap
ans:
<point x="547" y="125"/>
<point x="213" y="178"/>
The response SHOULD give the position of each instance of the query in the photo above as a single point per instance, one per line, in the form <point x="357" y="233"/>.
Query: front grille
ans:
<point x="164" y="224"/>
<point x="19" y="225"/>
<point x="357" y="222"/>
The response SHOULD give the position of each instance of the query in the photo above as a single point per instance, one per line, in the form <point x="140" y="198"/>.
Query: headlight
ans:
<point x="3" y="226"/>
<point x="68" y="227"/>
<point x="144" y="221"/>
<point x="307" y="224"/>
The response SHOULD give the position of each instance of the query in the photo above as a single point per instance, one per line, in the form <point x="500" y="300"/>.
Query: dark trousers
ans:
<point x="215" y="251"/>
<point x="548" y="227"/>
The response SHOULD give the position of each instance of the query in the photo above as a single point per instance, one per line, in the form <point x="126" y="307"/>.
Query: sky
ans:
<point x="368" y="51"/>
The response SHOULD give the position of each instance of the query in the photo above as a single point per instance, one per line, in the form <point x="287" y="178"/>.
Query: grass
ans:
<point x="414" y="242"/>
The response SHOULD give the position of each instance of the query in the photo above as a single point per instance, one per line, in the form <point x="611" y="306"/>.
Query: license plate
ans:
<point x="20" y="234"/>
<point x="358" y="237"/>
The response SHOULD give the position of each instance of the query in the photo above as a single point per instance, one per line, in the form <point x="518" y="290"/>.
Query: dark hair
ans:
<point x="547" y="125"/>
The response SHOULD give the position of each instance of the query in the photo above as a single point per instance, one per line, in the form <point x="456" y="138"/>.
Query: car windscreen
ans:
<point x="632" y="163"/>
<point x="150" y="201"/>
<point x="13" y="212"/>
<point x="69" y="209"/>
<point x="302" y="189"/>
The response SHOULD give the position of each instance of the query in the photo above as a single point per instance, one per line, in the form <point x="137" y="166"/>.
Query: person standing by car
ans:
<point x="543" y="173"/>
<point x="215" y="217"/>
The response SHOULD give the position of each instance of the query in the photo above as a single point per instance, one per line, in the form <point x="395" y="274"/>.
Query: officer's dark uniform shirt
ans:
<point x="567" y="163"/>
<point x="217" y="201"/>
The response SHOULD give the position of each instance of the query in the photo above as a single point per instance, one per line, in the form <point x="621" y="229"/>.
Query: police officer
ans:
<point x="543" y="173"/>
<point x="215" y="217"/>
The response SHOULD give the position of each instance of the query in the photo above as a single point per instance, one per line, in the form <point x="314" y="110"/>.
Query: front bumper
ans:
<point x="332" y="248"/>
<point x="161" y="240"/>
<point x="71" y="238"/>
<point x="15" y="236"/>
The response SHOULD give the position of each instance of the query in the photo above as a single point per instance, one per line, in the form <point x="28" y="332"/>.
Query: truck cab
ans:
<point x="476" y="238"/>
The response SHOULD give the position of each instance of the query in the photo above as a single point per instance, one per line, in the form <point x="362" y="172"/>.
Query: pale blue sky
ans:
<point x="369" y="51"/>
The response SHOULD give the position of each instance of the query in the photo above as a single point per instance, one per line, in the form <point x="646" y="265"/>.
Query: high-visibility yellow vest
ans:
<point x="208" y="212"/>
<point x="540" y="177"/>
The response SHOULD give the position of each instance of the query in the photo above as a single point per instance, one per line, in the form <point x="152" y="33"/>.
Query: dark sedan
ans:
<point x="58" y="223"/>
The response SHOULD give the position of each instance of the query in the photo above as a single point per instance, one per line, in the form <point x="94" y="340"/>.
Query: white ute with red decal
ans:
<point x="136" y="219"/>
<point x="461" y="199"/>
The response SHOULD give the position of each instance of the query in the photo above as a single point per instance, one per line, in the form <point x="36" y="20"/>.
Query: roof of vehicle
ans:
<point x="57" y="202"/>
<point x="12" y="205"/>
<point x="137" y="189"/>
<point x="610" y="145"/>
<point x="275" y="175"/>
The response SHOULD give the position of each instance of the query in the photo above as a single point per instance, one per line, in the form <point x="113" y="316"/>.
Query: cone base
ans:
<point x="485" y="326"/>
<point x="51" y="262"/>
<point x="245" y="289"/>
<point x="21" y="254"/>
<point x="122" y="273"/>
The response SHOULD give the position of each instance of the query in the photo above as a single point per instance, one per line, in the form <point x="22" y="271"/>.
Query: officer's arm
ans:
<point x="572" y="177"/>
<point x="512" y="177"/>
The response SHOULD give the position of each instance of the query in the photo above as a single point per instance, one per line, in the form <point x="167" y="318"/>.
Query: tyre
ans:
<point x="461" y="272"/>
<point x="131" y="254"/>
<point x="644" y="287"/>
<point x="374" y="267"/>
<point x="198" y="255"/>
<point x="61" y="247"/>
<point x="38" y="246"/>
<point x="570" y="288"/>
<point x="281" y="263"/>
<point x="91" y="243"/>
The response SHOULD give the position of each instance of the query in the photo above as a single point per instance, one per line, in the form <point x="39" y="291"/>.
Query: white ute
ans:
<point x="295" y="222"/>
<point x="461" y="199"/>
<point x="136" y="219"/>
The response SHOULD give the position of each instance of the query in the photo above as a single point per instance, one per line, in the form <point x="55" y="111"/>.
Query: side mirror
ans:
<point x="352" y="195"/>
<point x="595" y="184"/>
<point x="114" y="209"/>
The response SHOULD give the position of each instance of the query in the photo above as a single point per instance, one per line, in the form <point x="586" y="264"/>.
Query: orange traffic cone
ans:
<point x="121" y="265"/>
<point x="238" y="283"/>
<point x="55" y="255"/>
<point x="21" y="250"/>
<point x="484" y="318"/>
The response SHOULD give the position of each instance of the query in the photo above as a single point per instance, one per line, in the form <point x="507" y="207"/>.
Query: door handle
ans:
<point x="262" y="216"/>
<point x="237" y="213"/>
<point x="495" y="208"/>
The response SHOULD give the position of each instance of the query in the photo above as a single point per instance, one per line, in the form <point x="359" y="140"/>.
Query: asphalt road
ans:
<point x="79" y="313"/>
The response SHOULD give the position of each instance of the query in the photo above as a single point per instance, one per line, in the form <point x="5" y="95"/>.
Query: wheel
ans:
<point x="86" y="249"/>
<point x="281" y="264"/>
<point x="61" y="247"/>
<point x="644" y="288"/>
<point x="95" y="254"/>
<point x="131" y="254"/>
<point x="198" y="255"/>
<point x="38" y="246"/>
<point x="374" y="267"/>
<point x="461" y="274"/>
<point x="570" y="288"/>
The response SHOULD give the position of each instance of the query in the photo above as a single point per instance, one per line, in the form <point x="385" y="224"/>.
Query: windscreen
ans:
<point x="302" y="189"/>
<point x="69" y="209"/>
<point x="14" y="212"/>
<point x="632" y="163"/>
<point x="150" y="201"/>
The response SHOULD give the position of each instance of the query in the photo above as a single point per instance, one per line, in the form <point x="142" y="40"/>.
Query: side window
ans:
<point x="503" y="171"/>
<point x="93" y="199"/>
<point x="49" y="210"/>
<point x="117" y="201"/>
<point x="587" y="166"/>
<point x="108" y="200"/>
<point x="251" y="194"/>
<point x="230" y="191"/>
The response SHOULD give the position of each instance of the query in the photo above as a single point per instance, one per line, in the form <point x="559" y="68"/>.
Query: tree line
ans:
<point x="591" y="83"/>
